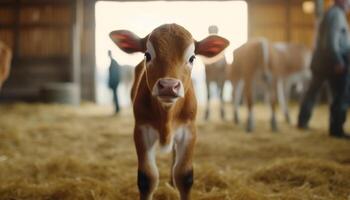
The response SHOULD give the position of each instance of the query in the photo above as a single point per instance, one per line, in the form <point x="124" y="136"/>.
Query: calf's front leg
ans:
<point x="147" y="176"/>
<point x="237" y="97"/>
<point x="183" y="169"/>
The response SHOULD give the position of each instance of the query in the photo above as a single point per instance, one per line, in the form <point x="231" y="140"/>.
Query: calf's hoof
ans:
<point x="274" y="125"/>
<point x="222" y="114"/>
<point x="206" y="115"/>
<point x="250" y="127"/>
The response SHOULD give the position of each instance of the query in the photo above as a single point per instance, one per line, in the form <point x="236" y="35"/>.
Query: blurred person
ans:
<point x="330" y="64"/>
<point x="215" y="72"/>
<point x="114" y="79"/>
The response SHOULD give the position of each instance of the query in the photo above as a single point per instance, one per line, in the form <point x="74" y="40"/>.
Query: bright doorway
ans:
<point x="142" y="17"/>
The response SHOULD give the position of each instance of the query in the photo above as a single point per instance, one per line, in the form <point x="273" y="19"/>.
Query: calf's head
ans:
<point x="169" y="55"/>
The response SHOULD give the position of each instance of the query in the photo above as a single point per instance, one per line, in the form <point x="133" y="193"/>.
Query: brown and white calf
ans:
<point x="164" y="102"/>
<point x="269" y="64"/>
<point x="5" y="62"/>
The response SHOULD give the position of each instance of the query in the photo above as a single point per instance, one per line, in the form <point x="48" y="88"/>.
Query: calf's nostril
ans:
<point x="177" y="86"/>
<point x="160" y="85"/>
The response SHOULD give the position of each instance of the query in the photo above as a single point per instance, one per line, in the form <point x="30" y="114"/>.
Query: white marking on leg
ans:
<point x="250" y="121"/>
<point x="181" y="138"/>
<point x="281" y="96"/>
<point x="238" y="94"/>
<point x="168" y="147"/>
<point x="150" y="137"/>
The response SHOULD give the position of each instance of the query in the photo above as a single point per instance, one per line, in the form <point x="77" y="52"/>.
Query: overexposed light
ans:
<point x="142" y="17"/>
<point x="308" y="7"/>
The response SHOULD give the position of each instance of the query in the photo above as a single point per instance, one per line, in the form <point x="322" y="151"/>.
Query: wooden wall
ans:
<point x="281" y="20"/>
<point x="53" y="40"/>
<point x="44" y="38"/>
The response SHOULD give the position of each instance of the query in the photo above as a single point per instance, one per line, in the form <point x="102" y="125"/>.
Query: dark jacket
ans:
<point x="114" y="74"/>
<point x="332" y="42"/>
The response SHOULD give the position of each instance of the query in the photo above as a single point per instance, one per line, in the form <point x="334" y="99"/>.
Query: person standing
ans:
<point x="215" y="72"/>
<point x="114" y="79"/>
<point x="330" y="64"/>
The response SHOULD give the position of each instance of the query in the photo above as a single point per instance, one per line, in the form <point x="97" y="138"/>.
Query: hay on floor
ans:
<point x="59" y="152"/>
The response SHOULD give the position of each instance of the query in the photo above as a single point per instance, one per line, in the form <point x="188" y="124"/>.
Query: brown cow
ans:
<point x="272" y="65"/>
<point x="5" y="62"/>
<point x="164" y="102"/>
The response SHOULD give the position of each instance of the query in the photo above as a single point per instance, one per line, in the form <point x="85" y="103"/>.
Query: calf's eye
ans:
<point x="191" y="60"/>
<point x="148" y="56"/>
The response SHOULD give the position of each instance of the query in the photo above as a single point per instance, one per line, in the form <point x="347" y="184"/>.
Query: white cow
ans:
<point x="274" y="65"/>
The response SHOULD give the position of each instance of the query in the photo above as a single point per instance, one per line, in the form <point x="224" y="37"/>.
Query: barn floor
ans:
<point x="59" y="152"/>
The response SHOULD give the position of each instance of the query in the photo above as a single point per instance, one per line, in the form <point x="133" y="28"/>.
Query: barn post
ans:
<point x="76" y="44"/>
<point x="88" y="68"/>
<point x="16" y="30"/>
<point x="288" y="25"/>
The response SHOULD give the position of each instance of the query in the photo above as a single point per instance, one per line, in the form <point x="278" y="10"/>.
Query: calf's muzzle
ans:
<point x="168" y="88"/>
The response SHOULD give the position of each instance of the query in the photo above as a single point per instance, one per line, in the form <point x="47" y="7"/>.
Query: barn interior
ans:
<point x="60" y="138"/>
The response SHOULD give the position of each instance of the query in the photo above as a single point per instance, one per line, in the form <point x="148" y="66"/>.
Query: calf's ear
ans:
<point x="211" y="45"/>
<point x="128" y="41"/>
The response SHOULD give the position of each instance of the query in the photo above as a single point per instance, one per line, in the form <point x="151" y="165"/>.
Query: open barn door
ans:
<point x="142" y="17"/>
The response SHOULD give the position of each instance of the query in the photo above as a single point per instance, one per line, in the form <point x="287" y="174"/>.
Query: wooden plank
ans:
<point x="271" y="13"/>
<point x="288" y="20"/>
<point x="299" y="16"/>
<point x="34" y="2"/>
<point x="303" y="36"/>
<point x="41" y="34"/>
<point x="88" y="68"/>
<point x="274" y="25"/>
<point x="35" y="26"/>
<point x="44" y="42"/>
<point x="16" y="31"/>
<point x="7" y="15"/>
<point x="77" y="9"/>
<point x="42" y="60"/>
<point x="271" y="33"/>
<point x="46" y="14"/>
<point x="7" y="37"/>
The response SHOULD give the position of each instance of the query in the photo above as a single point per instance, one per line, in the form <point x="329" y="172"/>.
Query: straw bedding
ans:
<point x="54" y="152"/>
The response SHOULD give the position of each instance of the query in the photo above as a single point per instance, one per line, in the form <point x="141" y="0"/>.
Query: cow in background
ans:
<point x="5" y="62"/>
<point x="272" y="65"/>
<point x="215" y="72"/>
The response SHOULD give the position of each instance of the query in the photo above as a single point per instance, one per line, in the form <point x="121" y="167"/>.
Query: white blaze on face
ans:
<point x="188" y="62"/>
<point x="150" y="50"/>
<point x="189" y="52"/>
